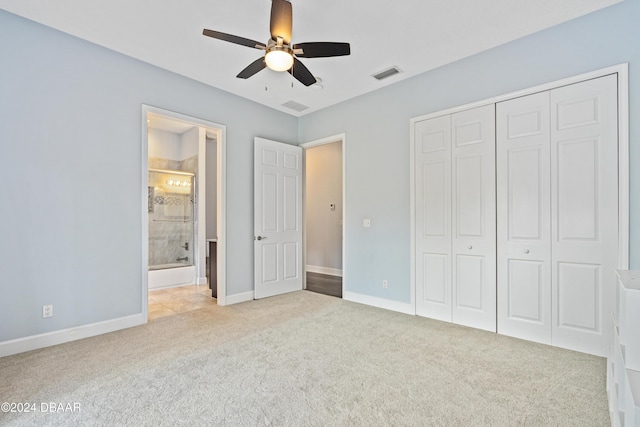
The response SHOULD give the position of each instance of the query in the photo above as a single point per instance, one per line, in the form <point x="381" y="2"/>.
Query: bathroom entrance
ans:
<point x="183" y="158"/>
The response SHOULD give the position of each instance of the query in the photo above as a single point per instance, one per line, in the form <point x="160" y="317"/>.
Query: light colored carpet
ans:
<point x="305" y="359"/>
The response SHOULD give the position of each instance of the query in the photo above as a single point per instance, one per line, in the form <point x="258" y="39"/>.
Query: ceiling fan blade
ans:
<point x="321" y="49"/>
<point x="281" y="20"/>
<point x="302" y="73"/>
<point x="234" y="39"/>
<point x="252" y="68"/>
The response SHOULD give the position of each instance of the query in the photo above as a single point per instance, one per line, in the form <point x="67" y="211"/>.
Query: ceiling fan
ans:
<point x="280" y="54"/>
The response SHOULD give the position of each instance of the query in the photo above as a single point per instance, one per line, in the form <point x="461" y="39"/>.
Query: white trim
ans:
<point x="323" y="141"/>
<point x="144" y="218"/>
<point x="221" y="215"/>
<point x="238" y="298"/>
<point x="324" y="270"/>
<point x="621" y="68"/>
<point x="623" y="166"/>
<point x="201" y="281"/>
<point x="623" y="153"/>
<point x="340" y="137"/>
<point x="221" y="205"/>
<point x="200" y="224"/>
<point x="412" y="216"/>
<point x="387" y="304"/>
<point x="35" y="342"/>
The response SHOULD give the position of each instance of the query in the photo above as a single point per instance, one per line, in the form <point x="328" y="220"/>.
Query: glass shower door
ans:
<point x="171" y="219"/>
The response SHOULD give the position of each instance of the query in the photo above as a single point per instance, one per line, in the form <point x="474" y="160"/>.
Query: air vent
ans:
<point x="295" y="106"/>
<point x="387" y="73"/>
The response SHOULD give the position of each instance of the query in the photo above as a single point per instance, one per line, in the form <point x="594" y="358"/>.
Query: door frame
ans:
<point x="622" y="70"/>
<point x="221" y="179"/>
<point x="340" y="137"/>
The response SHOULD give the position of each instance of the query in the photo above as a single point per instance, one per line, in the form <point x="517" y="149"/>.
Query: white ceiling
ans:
<point x="414" y="35"/>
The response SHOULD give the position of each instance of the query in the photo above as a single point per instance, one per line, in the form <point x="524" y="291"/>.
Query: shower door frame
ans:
<point x="220" y="132"/>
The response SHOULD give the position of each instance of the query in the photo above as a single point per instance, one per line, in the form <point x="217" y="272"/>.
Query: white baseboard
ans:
<point x="202" y="280"/>
<point x="401" y="307"/>
<point x="238" y="298"/>
<point x="35" y="342"/>
<point x="324" y="270"/>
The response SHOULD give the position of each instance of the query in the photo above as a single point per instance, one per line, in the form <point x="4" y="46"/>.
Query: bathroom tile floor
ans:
<point x="168" y="302"/>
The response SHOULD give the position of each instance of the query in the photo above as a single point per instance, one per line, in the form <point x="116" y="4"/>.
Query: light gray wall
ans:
<point x="324" y="187"/>
<point x="377" y="132"/>
<point x="189" y="143"/>
<point x="70" y="221"/>
<point x="164" y="144"/>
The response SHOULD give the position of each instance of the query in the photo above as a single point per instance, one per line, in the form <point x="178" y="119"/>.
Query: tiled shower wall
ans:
<point x="168" y="233"/>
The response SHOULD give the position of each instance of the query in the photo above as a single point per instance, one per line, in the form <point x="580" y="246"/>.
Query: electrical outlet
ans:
<point x="47" y="311"/>
<point x="385" y="283"/>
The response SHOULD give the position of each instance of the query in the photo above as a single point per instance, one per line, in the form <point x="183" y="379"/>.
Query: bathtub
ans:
<point x="171" y="275"/>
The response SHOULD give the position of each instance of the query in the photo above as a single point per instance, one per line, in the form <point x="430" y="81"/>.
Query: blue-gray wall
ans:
<point x="377" y="132"/>
<point x="70" y="179"/>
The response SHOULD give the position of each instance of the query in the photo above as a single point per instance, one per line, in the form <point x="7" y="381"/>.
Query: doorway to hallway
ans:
<point x="324" y="214"/>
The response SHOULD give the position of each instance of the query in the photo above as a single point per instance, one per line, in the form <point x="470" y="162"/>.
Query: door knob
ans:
<point x="260" y="237"/>
<point x="526" y="251"/>
<point x="469" y="247"/>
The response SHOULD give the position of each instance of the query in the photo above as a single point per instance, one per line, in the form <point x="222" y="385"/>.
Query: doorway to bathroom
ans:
<point x="183" y="174"/>
<point x="324" y="208"/>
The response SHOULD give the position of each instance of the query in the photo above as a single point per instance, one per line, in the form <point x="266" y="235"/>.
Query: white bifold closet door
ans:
<point x="557" y="198"/>
<point x="455" y="218"/>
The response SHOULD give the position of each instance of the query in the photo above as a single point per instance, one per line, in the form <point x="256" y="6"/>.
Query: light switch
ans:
<point x="366" y="223"/>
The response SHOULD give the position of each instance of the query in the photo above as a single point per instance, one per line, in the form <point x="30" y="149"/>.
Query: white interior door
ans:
<point x="474" y="218"/>
<point x="433" y="217"/>
<point x="277" y="218"/>
<point x="524" y="217"/>
<point x="584" y="205"/>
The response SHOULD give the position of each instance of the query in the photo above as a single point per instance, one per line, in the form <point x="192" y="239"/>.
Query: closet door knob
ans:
<point x="469" y="247"/>
<point x="526" y="251"/>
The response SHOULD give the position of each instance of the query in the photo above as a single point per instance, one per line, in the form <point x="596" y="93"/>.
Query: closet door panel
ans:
<point x="434" y="278"/>
<point x="523" y="212"/>
<point x="525" y="193"/>
<point x="433" y="217"/>
<point x="469" y="194"/>
<point x="469" y="282"/>
<point x="525" y="291"/>
<point x="584" y="145"/>
<point x="473" y="207"/>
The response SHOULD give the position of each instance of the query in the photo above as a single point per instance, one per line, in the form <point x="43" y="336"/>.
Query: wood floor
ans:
<point x="324" y="284"/>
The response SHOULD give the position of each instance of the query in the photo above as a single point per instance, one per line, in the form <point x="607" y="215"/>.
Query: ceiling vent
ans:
<point x="387" y="73"/>
<point x="295" y="106"/>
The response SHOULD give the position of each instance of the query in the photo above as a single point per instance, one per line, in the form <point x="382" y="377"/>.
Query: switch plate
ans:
<point x="385" y="283"/>
<point x="366" y="223"/>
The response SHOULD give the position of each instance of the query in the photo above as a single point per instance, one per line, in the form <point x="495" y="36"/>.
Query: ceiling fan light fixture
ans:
<point x="279" y="58"/>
